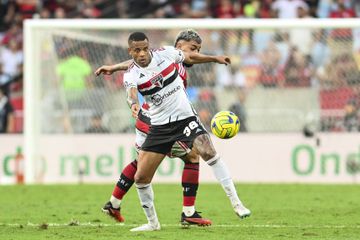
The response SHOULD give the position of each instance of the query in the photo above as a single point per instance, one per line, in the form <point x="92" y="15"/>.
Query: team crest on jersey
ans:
<point x="158" y="81"/>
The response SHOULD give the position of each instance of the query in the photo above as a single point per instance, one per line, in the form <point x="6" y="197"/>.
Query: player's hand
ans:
<point x="135" y="108"/>
<point x="107" y="70"/>
<point x="223" y="60"/>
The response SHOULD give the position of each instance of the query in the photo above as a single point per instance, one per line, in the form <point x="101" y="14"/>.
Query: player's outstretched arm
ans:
<point x="194" y="58"/>
<point x="133" y="101"/>
<point x="110" y="69"/>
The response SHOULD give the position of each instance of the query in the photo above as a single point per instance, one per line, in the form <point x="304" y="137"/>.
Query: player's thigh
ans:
<point x="140" y="138"/>
<point x="204" y="147"/>
<point x="148" y="162"/>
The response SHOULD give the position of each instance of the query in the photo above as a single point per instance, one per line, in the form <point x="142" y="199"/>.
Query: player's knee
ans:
<point x="208" y="154"/>
<point x="191" y="157"/>
<point x="141" y="178"/>
<point x="194" y="159"/>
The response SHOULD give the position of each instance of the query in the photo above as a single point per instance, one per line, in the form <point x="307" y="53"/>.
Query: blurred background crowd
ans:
<point x="321" y="59"/>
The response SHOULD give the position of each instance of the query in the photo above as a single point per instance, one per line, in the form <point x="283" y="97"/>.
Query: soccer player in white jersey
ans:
<point x="188" y="41"/>
<point x="173" y="119"/>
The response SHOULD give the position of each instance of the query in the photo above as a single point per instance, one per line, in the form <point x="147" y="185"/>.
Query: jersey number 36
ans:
<point x="192" y="125"/>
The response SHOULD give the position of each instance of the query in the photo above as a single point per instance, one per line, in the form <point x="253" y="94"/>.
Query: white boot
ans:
<point x="242" y="211"/>
<point x="147" y="227"/>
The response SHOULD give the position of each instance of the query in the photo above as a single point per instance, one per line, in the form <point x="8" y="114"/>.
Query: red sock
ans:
<point x="126" y="180"/>
<point x="190" y="183"/>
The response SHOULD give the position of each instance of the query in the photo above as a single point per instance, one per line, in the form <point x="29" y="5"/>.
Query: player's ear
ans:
<point x="129" y="51"/>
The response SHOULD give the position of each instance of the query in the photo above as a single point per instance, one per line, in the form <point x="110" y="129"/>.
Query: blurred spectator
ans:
<point x="283" y="44"/>
<point x="185" y="10"/>
<point x="356" y="5"/>
<point x="270" y="73"/>
<point x="342" y="71"/>
<point x="199" y="9"/>
<point x="7" y="12"/>
<point x="206" y="106"/>
<point x="5" y="81"/>
<point x="51" y="5"/>
<point x="261" y="40"/>
<point x="352" y="111"/>
<point x="89" y="9"/>
<point x="13" y="33"/>
<point x="96" y="125"/>
<point x="27" y="8"/>
<point x="60" y="13"/>
<point x="250" y="66"/>
<point x="265" y="9"/>
<point x="163" y="12"/>
<point x="230" y="76"/>
<point x="319" y="50"/>
<point x="326" y="75"/>
<point x="6" y="114"/>
<point x="288" y="8"/>
<point x="225" y="9"/>
<point x="45" y="13"/>
<point x="298" y="70"/>
<point x="202" y="75"/>
<point x="238" y="108"/>
<point x="112" y="82"/>
<point x="301" y="37"/>
<point x="11" y="59"/>
<point x="192" y="9"/>
<point x="134" y="6"/>
<point x="251" y="9"/>
<point x="349" y="70"/>
<point x="324" y="8"/>
<point x="342" y="11"/>
<point x="74" y="71"/>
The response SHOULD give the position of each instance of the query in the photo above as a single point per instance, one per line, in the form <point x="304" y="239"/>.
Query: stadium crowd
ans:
<point x="267" y="59"/>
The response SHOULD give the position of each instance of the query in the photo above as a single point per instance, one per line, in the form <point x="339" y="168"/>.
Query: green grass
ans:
<point x="278" y="212"/>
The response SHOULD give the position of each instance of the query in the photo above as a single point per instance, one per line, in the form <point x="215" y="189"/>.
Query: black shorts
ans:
<point x="161" y="138"/>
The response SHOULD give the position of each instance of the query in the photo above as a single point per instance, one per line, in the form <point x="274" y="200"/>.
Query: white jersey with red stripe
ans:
<point x="162" y="86"/>
<point x="143" y="121"/>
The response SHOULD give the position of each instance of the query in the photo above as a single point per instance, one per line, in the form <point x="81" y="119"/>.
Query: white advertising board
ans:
<point x="253" y="158"/>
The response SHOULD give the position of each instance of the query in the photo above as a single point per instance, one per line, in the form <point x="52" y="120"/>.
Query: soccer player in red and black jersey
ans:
<point x="188" y="41"/>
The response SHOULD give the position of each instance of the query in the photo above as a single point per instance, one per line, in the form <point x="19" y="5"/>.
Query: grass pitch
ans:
<point x="278" y="212"/>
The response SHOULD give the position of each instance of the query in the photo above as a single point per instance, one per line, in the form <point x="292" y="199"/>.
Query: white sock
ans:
<point x="146" y="196"/>
<point x="188" y="210"/>
<point x="115" y="202"/>
<point x="222" y="174"/>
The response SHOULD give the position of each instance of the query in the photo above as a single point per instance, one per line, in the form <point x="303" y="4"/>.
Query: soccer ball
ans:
<point x="225" y="124"/>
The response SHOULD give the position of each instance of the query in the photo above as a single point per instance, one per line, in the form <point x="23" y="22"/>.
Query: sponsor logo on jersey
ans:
<point x="157" y="99"/>
<point x="141" y="75"/>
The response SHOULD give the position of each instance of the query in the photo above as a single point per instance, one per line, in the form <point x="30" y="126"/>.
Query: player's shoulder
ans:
<point x="132" y="67"/>
<point x="163" y="50"/>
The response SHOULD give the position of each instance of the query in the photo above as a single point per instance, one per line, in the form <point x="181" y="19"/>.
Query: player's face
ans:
<point x="139" y="51"/>
<point x="188" y="46"/>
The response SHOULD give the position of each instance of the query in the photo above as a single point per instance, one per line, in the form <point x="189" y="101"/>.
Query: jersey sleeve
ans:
<point x="129" y="81"/>
<point x="173" y="54"/>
